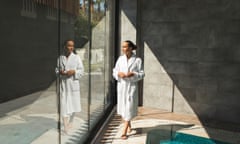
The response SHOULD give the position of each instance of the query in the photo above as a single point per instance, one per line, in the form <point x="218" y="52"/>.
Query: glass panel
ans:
<point x="74" y="88"/>
<point x="99" y="60"/>
<point x="108" y="52"/>
<point x="29" y="49"/>
<point x="36" y="70"/>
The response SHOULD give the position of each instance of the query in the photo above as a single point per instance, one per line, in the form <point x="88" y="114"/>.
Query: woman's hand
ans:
<point x="130" y="74"/>
<point x="63" y="72"/>
<point x="70" y="72"/>
<point x="121" y="74"/>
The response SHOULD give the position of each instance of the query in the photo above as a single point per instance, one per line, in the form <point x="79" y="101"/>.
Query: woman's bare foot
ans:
<point x="66" y="129"/>
<point x="65" y="132"/>
<point x="70" y="125"/>
<point x="124" y="137"/>
<point x="129" y="130"/>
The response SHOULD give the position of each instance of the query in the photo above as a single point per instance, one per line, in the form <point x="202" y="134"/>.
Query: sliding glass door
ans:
<point x="49" y="95"/>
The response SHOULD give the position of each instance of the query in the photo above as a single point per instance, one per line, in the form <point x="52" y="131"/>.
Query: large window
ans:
<point x="32" y="96"/>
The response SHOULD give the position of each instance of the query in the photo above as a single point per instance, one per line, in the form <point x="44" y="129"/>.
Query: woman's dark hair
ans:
<point x="65" y="43"/>
<point x="131" y="44"/>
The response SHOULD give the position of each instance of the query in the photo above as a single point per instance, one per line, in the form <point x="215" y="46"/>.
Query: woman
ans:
<point x="70" y="69"/>
<point x="128" y="71"/>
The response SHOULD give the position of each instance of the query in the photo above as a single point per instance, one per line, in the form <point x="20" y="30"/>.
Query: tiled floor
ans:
<point x="34" y="119"/>
<point x="153" y="121"/>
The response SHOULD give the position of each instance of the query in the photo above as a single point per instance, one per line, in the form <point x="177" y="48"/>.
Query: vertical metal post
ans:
<point x="58" y="82"/>
<point x="117" y="35"/>
<point x="140" y="51"/>
<point x="89" y="61"/>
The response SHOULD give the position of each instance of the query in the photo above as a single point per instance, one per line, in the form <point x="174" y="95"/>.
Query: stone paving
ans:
<point x="34" y="119"/>
<point x="154" y="121"/>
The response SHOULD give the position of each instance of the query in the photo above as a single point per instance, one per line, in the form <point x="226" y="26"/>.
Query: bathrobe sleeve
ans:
<point x="138" y="70"/>
<point x="79" y="69"/>
<point x="116" y="69"/>
<point x="57" y="69"/>
<point x="59" y="66"/>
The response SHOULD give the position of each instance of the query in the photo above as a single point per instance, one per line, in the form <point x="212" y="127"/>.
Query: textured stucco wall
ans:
<point x="128" y="12"/>
<point x="29" y="50"/>
<point x="191" y="55"/>
<point x="195" y="49"/>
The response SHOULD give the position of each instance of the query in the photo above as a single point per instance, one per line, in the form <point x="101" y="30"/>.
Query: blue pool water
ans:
<point x="181" y="138"/>
<point x="158" y="136"/>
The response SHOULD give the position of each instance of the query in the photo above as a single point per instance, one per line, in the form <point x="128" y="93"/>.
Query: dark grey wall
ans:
<point x="192" y="57"/>
<point x="128" y="14"/>
<point x="29" y="50"/>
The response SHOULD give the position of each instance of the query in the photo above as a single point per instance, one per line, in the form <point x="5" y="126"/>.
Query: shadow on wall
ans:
<point x="196" y="43"/>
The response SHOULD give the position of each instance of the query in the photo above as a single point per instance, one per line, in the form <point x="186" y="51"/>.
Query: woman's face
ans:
<point x="126" y="49"/>
<point x="69" y="47"/>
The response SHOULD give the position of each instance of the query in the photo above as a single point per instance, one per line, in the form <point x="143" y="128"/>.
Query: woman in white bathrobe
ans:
<point x="127" y="71"/>
<point x="70" y="69"/>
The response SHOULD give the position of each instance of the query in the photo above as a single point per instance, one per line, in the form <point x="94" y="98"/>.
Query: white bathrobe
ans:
<point x="69" y="85"/>
<point x="127" y="88"/>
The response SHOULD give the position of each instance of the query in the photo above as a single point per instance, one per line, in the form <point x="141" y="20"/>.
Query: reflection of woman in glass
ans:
<point x="70" y="69"/>
<point x="128" y="71"/>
